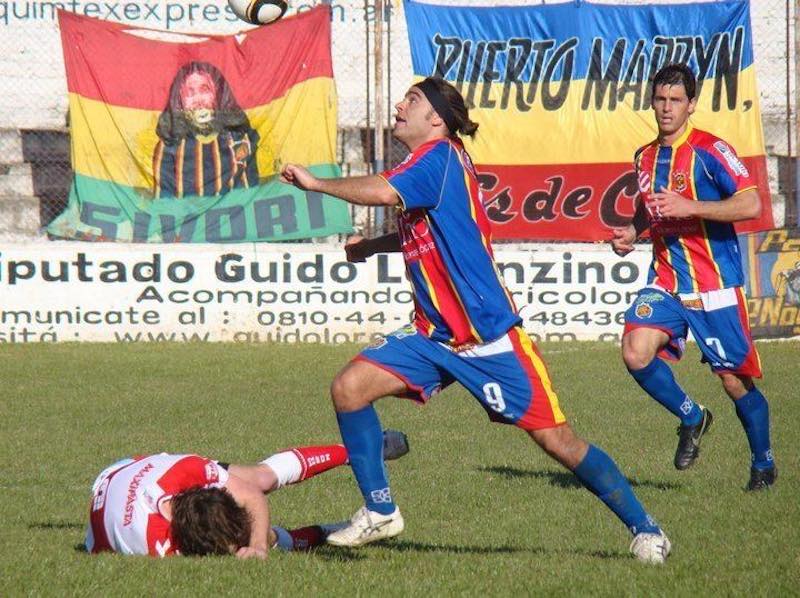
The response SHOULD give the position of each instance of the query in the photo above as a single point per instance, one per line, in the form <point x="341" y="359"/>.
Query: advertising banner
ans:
<point x="772" y="271"/>
<point x="108" y="292"/>
<point x="562" y="96"/>
<point x="182" y="141"/>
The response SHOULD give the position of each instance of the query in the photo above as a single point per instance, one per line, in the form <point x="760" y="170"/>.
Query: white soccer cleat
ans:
<point x="367" y="526"/>
<point x="651" y="548"/>
<point x="395" y="444"/>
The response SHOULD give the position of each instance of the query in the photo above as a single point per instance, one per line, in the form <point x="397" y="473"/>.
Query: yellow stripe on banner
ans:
<point x="544" y="376"/>
<point x="571" y="135"/>
<point x="180" y="156"/>
<point x="116" y="144"/>
<point x="753" y="277"/>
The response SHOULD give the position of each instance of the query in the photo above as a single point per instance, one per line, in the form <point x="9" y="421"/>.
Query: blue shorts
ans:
<point x="718" y="321"/>
<point x="507" y="376"/>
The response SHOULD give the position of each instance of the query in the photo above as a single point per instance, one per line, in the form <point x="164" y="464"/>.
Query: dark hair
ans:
<point x="676" y="74"/>
<point x="208" y="521"/>
<point x="455" y="102"/>
<point x="228" y="115"/>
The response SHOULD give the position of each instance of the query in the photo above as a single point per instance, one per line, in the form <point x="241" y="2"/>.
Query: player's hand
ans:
<point x="669" y="204"/>
<point x="298" y="176"/>
<point x="356" y="249"/>
<point x="622" y="240"/>
<point x="251" y="552"/>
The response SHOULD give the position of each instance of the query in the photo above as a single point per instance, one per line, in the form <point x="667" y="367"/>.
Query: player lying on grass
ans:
<point x="168" y="504"/>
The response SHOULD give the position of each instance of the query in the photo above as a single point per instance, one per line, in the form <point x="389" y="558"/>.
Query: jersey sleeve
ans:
<point x="419" y="182"/>
<point x="728" y="171"/>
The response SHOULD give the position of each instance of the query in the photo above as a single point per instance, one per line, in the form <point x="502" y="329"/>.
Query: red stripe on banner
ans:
<point x="578" y="202"/>
<point x="105" y="61"/>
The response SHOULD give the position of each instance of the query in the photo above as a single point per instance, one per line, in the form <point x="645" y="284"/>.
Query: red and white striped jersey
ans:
<point x="125" y="511"/>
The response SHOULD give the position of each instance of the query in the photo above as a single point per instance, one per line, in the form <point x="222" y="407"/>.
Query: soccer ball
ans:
<point x="258" y="12"/>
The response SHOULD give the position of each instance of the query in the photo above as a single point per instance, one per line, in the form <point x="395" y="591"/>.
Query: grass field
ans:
<point x="486" y="512"/>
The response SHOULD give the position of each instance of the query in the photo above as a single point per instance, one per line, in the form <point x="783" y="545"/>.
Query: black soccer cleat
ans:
<point x="762" y="479"/>
<point x="689" y="440"/>
<point x="395" y="444"/>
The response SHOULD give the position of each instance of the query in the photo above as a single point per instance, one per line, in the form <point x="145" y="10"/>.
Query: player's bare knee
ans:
<point x="636" y="355"/>
<point x="561" y="444"/>
<point x="345" y="391"/>
<point x="736" y="386"/>
<point x="634" y="359"/>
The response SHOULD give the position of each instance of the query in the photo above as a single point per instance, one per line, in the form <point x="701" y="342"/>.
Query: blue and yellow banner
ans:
<point x="772" y="282"/>
<point x="562" y="96"/>
<point x="181" y="141"/>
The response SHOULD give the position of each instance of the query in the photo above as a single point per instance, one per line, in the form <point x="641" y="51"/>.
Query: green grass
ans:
<point x="486" y="511"/>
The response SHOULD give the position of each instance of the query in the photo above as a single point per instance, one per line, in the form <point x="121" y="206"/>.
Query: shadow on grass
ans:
<point x="408" y="546"/>
<point x="564" y="479"/>
<point x="55" y="525"/>
<point x="337" y="554"/>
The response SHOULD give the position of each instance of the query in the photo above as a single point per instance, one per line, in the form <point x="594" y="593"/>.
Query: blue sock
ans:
<point x="657" y="380"/>
<point x="363" y="437"/>
<point x="602" y="477"/>
<point x="753" y="412"/>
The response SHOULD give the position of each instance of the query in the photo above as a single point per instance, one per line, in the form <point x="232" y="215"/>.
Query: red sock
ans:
<point x="316" y="459"/>
<point x="305" y="538"/>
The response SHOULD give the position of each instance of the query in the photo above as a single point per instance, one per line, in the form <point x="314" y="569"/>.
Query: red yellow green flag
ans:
<point x="181" y="140"/>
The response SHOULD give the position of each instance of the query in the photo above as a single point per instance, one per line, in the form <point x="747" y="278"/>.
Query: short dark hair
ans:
<point x="676" y="74"/>
<point x="208" y="521"/>
<point x="455" y="101"/>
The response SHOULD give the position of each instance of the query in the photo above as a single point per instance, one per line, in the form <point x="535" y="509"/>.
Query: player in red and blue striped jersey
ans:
<point x="692" y="187"/>
<point x="466" y="327"/>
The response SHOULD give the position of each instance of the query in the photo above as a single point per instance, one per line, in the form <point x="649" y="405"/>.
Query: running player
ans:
<point x="186" y="504"/>
<point x="466" y="327"/>
<point x="692" y="188"/>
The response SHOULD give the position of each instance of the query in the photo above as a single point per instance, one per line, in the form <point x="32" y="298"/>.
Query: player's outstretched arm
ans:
<point x="358" y="248"/>
<point x="362" y="190"/>
<point x="254" y="502"/>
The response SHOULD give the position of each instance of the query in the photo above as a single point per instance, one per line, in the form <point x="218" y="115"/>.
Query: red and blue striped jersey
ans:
<point x="459" y="294"/>
<point x="693" y="254"/>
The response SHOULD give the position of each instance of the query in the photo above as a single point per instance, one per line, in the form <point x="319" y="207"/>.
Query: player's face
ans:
<point x="673" y="108"/>
<point x="198" y="97"/>
<point x="413" y="121"/>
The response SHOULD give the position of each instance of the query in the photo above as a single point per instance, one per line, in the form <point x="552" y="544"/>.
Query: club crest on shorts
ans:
<point x="643" y="310"/>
